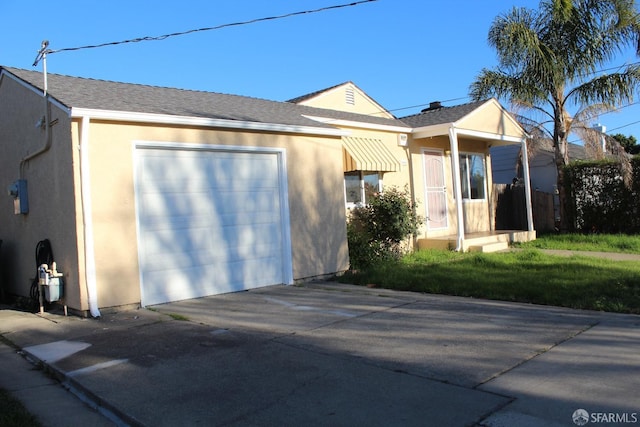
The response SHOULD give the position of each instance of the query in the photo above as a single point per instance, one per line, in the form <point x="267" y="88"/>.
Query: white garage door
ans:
<point x="210" y="221"/>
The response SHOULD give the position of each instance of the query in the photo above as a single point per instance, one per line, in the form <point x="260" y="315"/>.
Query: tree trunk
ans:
<point x="561" y="154"/>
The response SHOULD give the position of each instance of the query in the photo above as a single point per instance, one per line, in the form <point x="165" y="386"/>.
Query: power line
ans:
<point x="45" y="51"/>
<point x="623" y="126"/>
<point x="426" y="104"/>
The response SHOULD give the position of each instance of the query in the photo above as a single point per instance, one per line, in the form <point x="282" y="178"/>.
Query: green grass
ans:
<point x="176" y="316"/>
<point x="13" y="413"/>
<point x="587" y="242"/>
<point x="527" y="276"/>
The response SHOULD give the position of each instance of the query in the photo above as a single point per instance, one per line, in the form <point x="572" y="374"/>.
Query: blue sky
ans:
<point x="403" y="53"/>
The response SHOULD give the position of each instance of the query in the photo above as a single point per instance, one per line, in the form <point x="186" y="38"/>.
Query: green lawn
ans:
<point x="13" y="414"/>
<point x="528" y="276"/>
<point x="587" y="242"/>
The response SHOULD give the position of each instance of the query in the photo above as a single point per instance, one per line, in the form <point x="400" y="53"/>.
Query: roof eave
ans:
<point x="442" y="129"/>
<point x="168" y="119"/>
<point x="357" y="124"/>
<point x="432" y="130"/>
<point x="34" y="89"/>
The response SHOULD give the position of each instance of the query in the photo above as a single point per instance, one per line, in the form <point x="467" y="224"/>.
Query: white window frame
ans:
<point x="467" y="198"/>
<point x="361" y="174"/>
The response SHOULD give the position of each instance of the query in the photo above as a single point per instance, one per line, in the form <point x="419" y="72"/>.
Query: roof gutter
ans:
<point x="168" y="119"/>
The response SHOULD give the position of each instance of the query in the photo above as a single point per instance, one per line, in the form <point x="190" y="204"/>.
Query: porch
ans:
<point x="489" y="241"/>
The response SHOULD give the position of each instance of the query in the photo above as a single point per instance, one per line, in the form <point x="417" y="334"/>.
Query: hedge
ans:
<point x="599" y="201"/>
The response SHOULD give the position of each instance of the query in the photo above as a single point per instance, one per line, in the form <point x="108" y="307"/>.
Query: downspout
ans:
<point x="527" y="184"/>
<point x="457" y="187"/>
<point x="87" y="218"/>
<point x="45" y="122"/>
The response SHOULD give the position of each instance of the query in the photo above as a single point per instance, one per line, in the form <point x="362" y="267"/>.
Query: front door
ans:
<point x="435" y="189"/>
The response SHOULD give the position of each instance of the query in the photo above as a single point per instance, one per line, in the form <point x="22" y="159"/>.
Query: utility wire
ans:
<point x="45" y="51"/>
<point x="623" y="126"/>
<point x="426" y="104"/>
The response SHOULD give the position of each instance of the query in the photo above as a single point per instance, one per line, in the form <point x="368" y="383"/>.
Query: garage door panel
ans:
<point x="163" y="286"/>
<point x="208" y="216"/>
<point x="219" y="255"/>
<point x="174" y="203"/>
<point x="257" y="202"/>
<point x="178" y="260"/>
<point x="174" y="242"/>
<point x="196" y="281"/>
<point x="174" y="168"/>
<point x="191" y="241"/>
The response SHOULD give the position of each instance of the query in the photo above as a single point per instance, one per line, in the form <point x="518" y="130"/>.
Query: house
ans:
<point x="453" y="146"/>
<point x="150" y="194"/>
<point x="507" y="169"/>
<point x="441" y="154"/>
<point x="544" y="173"/>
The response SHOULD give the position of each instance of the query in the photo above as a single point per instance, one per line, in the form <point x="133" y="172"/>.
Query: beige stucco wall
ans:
<point x="50" y="191"/>
<point x="476" y="213"/>
<point x="411" y="175"/>
<point x="390" y="141"/>
<point x="315" y="181"/>
<point x="493" y="119"/>
<point x="335" y="99"/>
<point x="417" y="150"/>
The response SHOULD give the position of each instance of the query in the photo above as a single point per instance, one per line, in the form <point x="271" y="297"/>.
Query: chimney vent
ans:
<point x="434" y="105"/>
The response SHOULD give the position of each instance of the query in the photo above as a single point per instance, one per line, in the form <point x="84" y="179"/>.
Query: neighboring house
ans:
<point x="150" y="195"/>
<point x="507" y="165"/>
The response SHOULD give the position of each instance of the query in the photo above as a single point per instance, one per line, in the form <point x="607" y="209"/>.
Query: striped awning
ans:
<point x="367" y="154"/>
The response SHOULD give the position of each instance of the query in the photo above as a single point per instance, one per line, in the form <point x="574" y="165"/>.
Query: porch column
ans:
<point x="527" y="184"/>
<point x="457" y="186"/>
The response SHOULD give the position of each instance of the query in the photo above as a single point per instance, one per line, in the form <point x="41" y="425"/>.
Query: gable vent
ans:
<point x="349" y="96"/>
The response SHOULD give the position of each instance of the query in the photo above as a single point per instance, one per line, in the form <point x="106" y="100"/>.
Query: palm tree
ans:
<point x="549" y="64"/>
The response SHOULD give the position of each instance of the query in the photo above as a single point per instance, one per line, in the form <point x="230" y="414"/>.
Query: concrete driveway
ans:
<point x="332" y="354"/>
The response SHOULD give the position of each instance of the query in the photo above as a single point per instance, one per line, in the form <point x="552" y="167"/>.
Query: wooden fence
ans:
<point x="510" y="208"/>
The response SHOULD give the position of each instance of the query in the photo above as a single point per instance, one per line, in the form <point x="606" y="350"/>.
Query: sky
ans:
<point x="402" y="53"/>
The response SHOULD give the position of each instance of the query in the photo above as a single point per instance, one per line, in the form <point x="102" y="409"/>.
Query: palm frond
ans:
<point x="611" y="90"/>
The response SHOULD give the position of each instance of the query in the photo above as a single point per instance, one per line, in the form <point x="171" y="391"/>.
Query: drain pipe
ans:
<point x="85" y="190"/>
<point x="45" y="122"/>
<point x="457" y="184"/>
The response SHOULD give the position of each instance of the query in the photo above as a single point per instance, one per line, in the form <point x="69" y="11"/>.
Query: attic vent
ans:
<point x="349" y="97"/>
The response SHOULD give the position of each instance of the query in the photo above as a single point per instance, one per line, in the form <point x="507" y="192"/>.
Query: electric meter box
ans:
<point x="18" y="190"/>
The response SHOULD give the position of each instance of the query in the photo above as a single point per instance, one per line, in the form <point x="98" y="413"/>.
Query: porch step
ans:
<point x="490" y="247"/>
<point x="482" y="242"/>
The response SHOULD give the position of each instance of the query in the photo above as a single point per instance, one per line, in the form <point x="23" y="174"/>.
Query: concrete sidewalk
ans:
<point x="325" y="354"/>
<point x="612" y="256"/>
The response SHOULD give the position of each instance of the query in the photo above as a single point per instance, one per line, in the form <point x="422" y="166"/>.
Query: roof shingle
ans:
<point x="436" y="116"/>
<point x="108" y="95"/>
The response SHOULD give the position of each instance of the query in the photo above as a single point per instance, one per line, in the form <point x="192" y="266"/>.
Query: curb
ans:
<point x="89" y="398"/>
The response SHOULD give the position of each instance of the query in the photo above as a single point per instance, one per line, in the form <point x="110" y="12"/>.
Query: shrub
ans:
<point x="601" y="202"/>
<point x="377" y="231"/>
